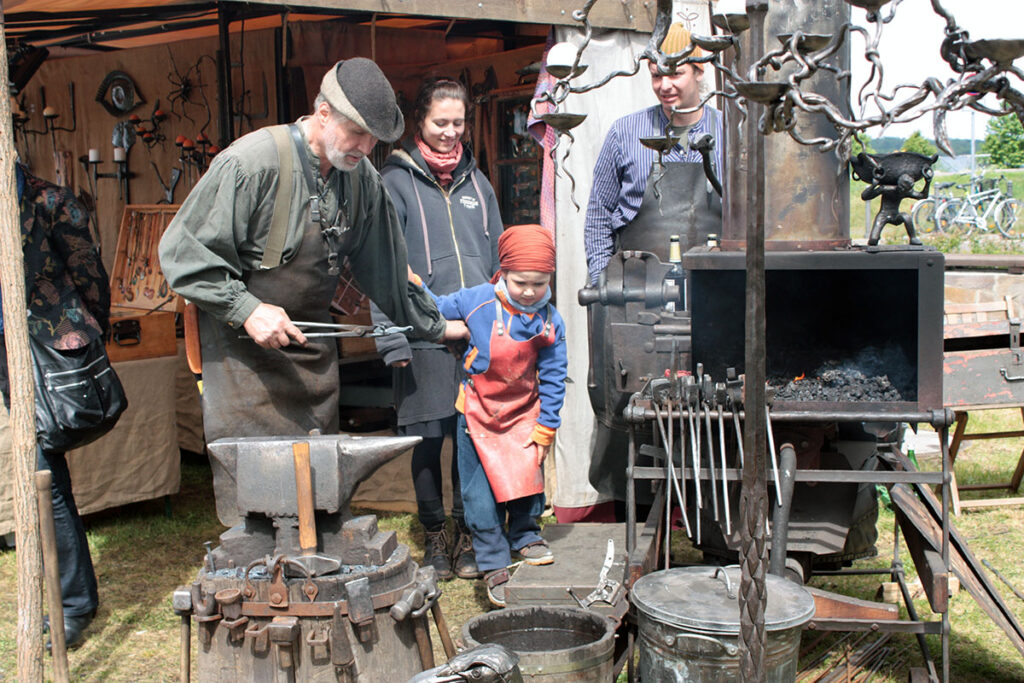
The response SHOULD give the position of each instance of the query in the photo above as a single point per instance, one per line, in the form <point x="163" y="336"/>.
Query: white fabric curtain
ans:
<point x="607" y="52"/>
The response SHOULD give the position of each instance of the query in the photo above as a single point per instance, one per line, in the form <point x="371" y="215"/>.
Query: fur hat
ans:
<point x="358" y="89"/>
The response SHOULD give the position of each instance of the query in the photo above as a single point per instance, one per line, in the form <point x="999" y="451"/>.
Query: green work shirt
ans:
<point x="221" y="228"/>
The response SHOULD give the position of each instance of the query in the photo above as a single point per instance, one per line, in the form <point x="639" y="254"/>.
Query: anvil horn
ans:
<point x="361" y="456"/>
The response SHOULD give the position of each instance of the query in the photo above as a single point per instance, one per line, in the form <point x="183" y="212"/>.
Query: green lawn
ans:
<point x="141" y="555"/>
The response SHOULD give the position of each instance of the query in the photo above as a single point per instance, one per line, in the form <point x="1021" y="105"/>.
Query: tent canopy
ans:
<point x="108" y="24"/>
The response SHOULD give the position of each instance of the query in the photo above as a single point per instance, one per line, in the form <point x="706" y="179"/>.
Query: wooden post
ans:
<point x="23" y="413"/>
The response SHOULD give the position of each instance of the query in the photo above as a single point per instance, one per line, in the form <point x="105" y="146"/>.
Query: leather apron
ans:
<point x="678" y="200"/>
<point x="688" y="207"/>
<point x="501" y="407"/>
<point x="252" y="391"/>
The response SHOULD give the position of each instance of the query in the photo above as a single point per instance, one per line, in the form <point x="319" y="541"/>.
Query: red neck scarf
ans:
<point x="441" y="164"/>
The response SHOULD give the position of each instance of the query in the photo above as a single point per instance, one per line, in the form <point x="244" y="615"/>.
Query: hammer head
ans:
<point x="257" y="474"/>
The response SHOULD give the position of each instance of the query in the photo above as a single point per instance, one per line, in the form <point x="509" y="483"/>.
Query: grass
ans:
<point x="141" y="556"/>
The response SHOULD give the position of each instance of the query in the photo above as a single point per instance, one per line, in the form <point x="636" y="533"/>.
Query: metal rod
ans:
<point x="711" y="461"/>
<point x="631" y="491"/>
<point x="774" y="458"/>
<point x="947" y="480"/>
<point x="780" y="520"/>
<point x="695" y="457"/>
<point x="725" y="482"/>
<point x="739" y="436"/>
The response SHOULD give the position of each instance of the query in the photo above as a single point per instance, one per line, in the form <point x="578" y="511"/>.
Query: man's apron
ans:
<point x="501" y="407"/>
<point x="678" y="200"/>
<point x="252" y="391"/>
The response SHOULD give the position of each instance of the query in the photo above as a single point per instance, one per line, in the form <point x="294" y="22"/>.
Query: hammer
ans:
<point x="316" y="565"/>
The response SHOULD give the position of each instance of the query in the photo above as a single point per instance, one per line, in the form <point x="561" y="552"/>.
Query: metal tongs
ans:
<point x="345" y="330"/>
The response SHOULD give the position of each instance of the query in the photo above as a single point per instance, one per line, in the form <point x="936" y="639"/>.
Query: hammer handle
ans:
<point x="304" y="496"/>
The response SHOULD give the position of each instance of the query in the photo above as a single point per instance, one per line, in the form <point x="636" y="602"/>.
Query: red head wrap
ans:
<point x="526" y="247"/>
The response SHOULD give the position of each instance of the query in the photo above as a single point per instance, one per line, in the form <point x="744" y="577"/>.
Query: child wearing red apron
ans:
<point x="509" y="404"/>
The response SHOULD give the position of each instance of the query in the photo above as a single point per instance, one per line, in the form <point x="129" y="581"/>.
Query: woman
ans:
<point x="68" y="300"/>
<point x="451" y="221"/>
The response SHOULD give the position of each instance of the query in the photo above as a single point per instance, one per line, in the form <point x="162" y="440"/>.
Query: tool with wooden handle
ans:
<point x="317" y="565"/>
<point x="193" y="349"/>
<point x="48" y="536"/>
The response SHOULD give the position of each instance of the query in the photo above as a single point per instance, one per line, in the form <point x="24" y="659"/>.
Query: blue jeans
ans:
<point x="486" y="518"/>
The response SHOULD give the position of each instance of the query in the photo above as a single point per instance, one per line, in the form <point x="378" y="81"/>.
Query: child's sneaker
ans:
<point x="536" y="553"/>
<point x="495" y="581"/>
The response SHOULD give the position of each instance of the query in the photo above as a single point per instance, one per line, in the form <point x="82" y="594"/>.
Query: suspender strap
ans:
<point x="353" y="186"/>
<point x="307" y="170"/>
<point x="274" y="248"/>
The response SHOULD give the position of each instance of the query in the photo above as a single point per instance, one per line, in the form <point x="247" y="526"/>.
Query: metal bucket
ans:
<point x="553" y="643"/>
<point x="689" y="622"/>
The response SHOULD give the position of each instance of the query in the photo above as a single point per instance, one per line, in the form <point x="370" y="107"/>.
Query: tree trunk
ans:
<point x="23" y="413"/>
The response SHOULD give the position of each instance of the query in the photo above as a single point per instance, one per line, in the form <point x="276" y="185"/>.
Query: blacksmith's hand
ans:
<point x="455" y="330"/>
<point x="270" y="327"/>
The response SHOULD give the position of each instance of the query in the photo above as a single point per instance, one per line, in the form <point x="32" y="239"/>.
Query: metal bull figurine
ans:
<point x="300" y="589"/>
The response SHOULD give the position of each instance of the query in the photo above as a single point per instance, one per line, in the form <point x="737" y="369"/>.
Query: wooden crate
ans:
<point x="142" y="306"/>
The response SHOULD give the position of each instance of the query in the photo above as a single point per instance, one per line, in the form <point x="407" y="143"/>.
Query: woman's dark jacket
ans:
<point x="451" y="234"/>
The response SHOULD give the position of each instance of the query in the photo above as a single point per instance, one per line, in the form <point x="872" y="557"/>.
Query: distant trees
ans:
<point x="1004" y="142"/>
<point x="862" y="143"/>
<point x="919" y="144"/>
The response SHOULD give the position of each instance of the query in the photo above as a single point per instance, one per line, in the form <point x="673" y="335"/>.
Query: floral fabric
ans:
<point x="67" y="290"/>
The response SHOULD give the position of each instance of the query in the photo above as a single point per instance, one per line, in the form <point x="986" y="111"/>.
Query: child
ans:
<point x="509" y="404"/>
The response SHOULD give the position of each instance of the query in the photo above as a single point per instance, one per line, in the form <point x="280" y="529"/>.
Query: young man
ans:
<point x="637" y="202"/>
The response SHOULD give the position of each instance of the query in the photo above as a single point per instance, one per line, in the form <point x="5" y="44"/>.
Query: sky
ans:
<point x="909" y="51"/>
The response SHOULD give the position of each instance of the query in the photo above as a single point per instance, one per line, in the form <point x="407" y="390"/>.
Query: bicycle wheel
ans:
<point x="923" y="215"/>
<point x="947" y="215"/>
<point x="1006" y="218"/>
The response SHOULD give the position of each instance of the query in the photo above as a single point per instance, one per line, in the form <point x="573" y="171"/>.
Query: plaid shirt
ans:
<point x="620" y="176"/>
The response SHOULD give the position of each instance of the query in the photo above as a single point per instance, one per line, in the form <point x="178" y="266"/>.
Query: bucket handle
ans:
<point x="721" y="573"/>
<point x="730" y="649"/>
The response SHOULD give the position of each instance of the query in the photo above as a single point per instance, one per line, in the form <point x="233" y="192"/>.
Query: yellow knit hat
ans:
<point x="678" y="39"/>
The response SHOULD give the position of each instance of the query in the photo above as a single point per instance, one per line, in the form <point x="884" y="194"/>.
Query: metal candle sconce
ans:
<point x="194" y="155"/>
<point x="92" y="161"/>
<point x="50" y="117"/>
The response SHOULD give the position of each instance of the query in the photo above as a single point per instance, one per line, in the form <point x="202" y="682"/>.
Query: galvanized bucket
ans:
<point x="689" y="623"/>
<point x="553" y="643"/>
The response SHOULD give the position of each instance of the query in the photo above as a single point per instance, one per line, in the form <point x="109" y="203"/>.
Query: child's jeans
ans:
<point x="486" y="518"/>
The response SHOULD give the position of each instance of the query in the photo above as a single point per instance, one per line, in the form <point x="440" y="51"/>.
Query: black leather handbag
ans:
<point x="79" y="397"/>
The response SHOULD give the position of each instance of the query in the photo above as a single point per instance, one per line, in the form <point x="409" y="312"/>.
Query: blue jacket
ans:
<point x="475" y="306"/>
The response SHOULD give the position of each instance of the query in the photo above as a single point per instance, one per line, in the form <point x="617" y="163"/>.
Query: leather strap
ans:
<point x="274" y="248"/>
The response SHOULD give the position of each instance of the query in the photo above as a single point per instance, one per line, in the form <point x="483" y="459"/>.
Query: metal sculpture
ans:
<point x="893" y="176"/>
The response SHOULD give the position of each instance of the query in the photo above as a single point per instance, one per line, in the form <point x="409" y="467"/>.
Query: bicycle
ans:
<point x="924" y="210"/>
<point x="986" y="206"/>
